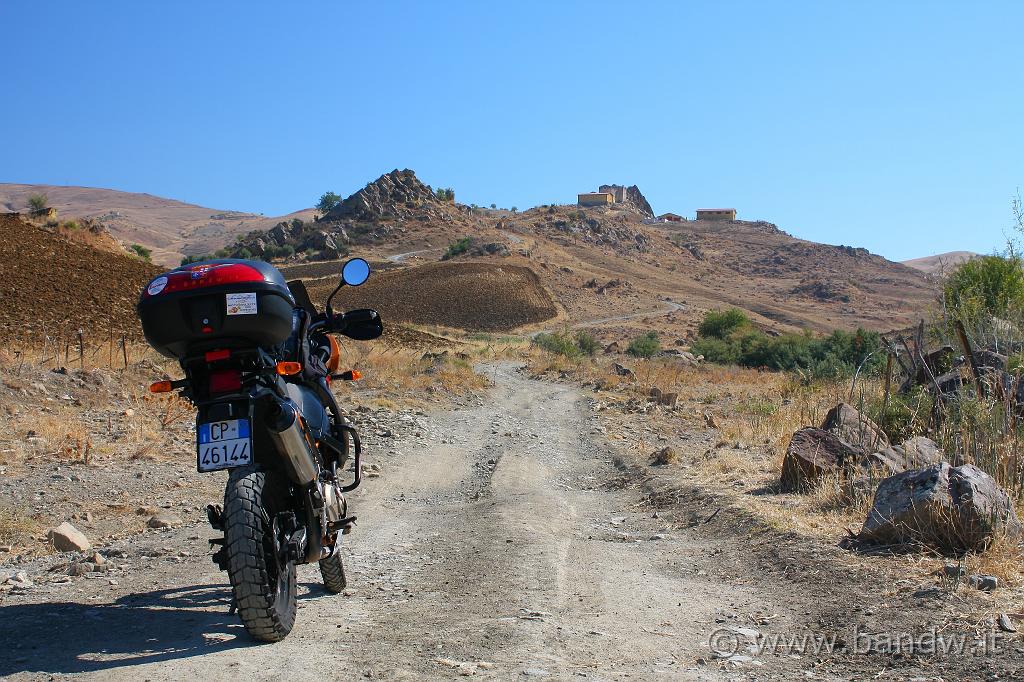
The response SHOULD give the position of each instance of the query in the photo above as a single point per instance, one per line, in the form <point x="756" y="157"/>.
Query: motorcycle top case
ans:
<point x="216" y="303"/>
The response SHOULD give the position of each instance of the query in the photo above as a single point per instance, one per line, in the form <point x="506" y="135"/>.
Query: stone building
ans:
<point x="716" y="214"/>
<point x="595" y="198"/>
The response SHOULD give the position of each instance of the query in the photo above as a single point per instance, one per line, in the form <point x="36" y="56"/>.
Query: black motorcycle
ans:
<point x="258" y="361"/>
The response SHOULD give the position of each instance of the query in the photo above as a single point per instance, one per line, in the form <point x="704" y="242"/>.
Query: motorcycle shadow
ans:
<point x="137" y="629"/>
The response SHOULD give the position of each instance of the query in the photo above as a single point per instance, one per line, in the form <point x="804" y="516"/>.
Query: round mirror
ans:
<point x="355" y="272"/>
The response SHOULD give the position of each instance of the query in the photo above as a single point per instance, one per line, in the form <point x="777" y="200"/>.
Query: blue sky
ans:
<point x="890" y="125"/>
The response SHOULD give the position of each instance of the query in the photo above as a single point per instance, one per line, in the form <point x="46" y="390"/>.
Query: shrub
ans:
<point x="987" y="284"/>
<point x="720" y="324"/>
<point x="38" y="202"/>
<point x="456" y="248"/>
<point x="559" y="343"/>
<point x="586" y="343"/>
<point x="142" y="252"/>
<point x="70" y="225"/>
<point x="444" y="194"/>
<point x="728" y="338"/>
<point x="645" y="346"/>
<point x="195" y="259"/>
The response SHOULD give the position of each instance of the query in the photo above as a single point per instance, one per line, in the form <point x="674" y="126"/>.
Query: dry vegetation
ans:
<point x="755" y="413"/>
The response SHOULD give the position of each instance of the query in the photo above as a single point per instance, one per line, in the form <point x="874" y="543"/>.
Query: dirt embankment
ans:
<point x="471" y="296"/>
<point x="50" y="286"/>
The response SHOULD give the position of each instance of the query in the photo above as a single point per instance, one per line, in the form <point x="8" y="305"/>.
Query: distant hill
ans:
<point x="610" y="268"/>
<point x="171" y="228"/>
<point x="938" y="263"/>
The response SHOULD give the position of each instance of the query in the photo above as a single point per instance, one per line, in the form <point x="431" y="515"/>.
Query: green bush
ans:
<point x="444" y="194"/>
<point x="142" y="252"/>
<point x="559" y="343"/>
<point x="459" y="247"/>
<point x="586" y="343"/>
<point x="728" y="338"/>
<point x="645" y="346"/>
<point x="720" y="324"/>
<point x="187" y="260"/>
<point x="987" y="284"/>
<point x="38" y="202"/>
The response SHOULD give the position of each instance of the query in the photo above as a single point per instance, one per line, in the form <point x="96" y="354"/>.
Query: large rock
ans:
<point x="815" y="453"/>
<point x="67" y="538"/>
<point x="952" y="509"/>
<point x="913" y="453"/>
<point x="846" y="422"/>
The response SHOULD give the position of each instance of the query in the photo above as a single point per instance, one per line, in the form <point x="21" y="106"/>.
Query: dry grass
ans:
<point x="16" y="527"/>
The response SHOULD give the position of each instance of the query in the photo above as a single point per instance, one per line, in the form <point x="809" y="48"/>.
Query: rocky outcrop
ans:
<point x="397" y="194"/>
<point x="631" y="198"/>
<point x="952" y="509"/>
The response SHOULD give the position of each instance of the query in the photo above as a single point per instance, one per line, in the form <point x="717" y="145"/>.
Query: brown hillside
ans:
<point x="51" y="286"/>
<point x="471" y="296"/>
<point x="171" y="228"/>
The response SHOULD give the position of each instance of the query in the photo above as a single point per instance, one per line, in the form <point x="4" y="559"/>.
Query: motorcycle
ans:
<point x="258" y="360"/>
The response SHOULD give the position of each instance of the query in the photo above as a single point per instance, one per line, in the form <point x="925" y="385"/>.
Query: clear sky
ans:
<point x="890" y="125"/>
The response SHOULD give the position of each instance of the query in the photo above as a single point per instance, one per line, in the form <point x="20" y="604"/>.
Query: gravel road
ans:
<point x="504" y="540"/>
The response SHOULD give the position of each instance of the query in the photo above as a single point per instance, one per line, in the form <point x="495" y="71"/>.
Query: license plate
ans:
<point x="223" y="445"/>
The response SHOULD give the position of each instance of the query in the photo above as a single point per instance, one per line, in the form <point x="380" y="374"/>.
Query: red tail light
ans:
<point x="226" y="381"/>
<point x="201" y="276"/>
<point x="215" y="355"/>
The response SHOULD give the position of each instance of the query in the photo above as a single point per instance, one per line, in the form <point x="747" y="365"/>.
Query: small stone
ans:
<point x="163" y="520"/>
<point x="98" y="559"/>
<point x="983" y="582"/>
<point x="129" y="412"/>
<point x="1006" y="623"/>
<point x="80" y="568"/>
<point x="67" y="538"/>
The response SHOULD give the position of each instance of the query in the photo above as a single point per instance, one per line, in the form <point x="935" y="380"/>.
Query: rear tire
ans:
<point x="333" y="571"/>
<point x="263" y="584"/>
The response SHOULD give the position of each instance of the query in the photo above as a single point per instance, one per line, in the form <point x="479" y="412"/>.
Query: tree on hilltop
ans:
<point x="327" y="202"/>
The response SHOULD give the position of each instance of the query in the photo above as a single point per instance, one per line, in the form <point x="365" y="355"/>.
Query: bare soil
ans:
<point x="52" y="286"/>
<point x="472" y="296"/>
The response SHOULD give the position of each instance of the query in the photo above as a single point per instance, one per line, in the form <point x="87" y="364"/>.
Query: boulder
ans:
<point x="814" y="453"/>
<point x="913" y="453"/>
<point x="846" y="422"/>
<point x="953" y="509"/>
<point x="67" y="538"/>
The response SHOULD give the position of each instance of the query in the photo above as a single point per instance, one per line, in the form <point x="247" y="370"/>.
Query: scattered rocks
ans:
<point x="623" y="371"/>
<point x="954" y="509"/>
<point x="67" y="538"/>
<point x="986" y="583"/>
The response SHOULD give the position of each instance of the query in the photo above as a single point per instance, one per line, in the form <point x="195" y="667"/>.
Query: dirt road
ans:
<point x="509" y="540"/>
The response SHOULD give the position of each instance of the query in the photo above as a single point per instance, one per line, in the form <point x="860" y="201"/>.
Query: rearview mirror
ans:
<point x="355" y="272"/>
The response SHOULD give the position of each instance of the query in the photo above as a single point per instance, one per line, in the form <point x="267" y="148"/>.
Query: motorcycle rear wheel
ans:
<point x="264" y="584"/>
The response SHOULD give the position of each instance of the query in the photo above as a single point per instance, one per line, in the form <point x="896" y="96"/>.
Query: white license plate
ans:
<point x="223" y="445"/>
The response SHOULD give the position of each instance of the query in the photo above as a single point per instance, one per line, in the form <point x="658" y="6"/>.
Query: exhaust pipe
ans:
<point x="286" y="431"/>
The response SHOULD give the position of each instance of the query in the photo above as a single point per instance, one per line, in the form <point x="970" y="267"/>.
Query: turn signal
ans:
<point x="287" y="369"/>
<point x="161" y="387"/>
<point x="349" y="375"/>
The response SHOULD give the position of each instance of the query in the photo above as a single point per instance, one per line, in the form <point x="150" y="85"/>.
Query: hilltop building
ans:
<point x="716" y="214"/>
<point x="670" y="218"/>
<point x="595" y="198"/>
